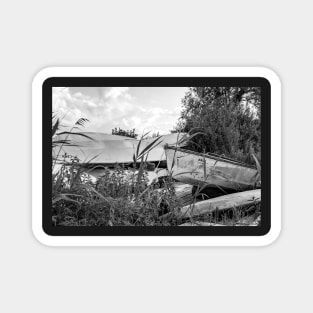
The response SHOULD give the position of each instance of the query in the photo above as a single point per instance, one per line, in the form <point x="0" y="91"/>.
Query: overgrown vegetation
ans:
<point x="223" y="120"/>
<point x="229" y="117"/>
<point x="120" y="197"/>
<point x="117" y="198"/>
<point x="125" y="133"/>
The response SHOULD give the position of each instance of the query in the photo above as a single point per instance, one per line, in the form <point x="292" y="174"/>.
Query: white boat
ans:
<point x="106" y="149"/>
<point x="209" y="169"/>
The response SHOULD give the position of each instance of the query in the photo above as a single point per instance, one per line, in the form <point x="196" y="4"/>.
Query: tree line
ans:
<point x="228" y="118"/>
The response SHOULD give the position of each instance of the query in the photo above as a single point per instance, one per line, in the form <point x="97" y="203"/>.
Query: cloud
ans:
<point x="115" y="92"/>
<point x="110" y="107"/>
<point x="156" y="119"/>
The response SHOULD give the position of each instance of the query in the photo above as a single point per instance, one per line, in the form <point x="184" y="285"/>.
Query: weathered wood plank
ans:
<point x="231" y="201"/>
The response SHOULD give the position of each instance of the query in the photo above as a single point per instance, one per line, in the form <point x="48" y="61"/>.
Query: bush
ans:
<point x="229" y="119"/>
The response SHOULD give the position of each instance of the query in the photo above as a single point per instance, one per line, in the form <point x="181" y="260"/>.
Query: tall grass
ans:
<point x="121" y="196"/>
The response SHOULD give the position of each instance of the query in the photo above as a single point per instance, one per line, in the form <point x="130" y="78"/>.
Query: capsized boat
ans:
<point x="209" y="169"/>
<point x="106" y="149"/>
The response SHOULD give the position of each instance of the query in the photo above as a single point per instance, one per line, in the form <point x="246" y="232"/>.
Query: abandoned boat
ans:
<point x="98" y="151"/>
<point x="107" y="150"/>
<point x="210" y="170"/>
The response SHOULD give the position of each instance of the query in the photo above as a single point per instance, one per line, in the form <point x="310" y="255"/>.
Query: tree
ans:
<point x="126" y="133"/>
<point x="228" y="117"/>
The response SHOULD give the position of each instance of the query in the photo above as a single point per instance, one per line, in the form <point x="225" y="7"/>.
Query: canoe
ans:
<point x="209" y="169"/>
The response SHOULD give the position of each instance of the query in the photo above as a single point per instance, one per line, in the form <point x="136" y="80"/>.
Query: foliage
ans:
<point x="229" y="118"/>
<point x="216" y="119"/>
<point x="126" y="133"/>
<point x="119" y="197"/>
<point x="113" y="200"/>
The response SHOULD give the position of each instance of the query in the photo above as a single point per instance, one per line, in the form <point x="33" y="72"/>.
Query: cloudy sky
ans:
<point x="143" y="108"/>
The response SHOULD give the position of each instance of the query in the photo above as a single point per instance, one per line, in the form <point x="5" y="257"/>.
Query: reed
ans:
<point x="121" y="196"/>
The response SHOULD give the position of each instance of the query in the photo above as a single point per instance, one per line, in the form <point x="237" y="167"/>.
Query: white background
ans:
<point x="37" y="34"/>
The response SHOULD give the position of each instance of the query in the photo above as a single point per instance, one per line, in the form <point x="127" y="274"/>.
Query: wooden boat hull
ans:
<point x="227" y="202"/>
<point x="210" y="170"/>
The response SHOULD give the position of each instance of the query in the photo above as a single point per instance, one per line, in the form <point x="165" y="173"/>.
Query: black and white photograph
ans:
<point x="156" y="156"/>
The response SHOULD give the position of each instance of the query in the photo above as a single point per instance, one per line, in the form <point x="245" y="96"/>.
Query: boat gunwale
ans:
<point x="213" y="156"/>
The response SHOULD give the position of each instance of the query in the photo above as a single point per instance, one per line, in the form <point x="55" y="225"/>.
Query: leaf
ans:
<point x="258" y="166"/>
<point x="188" y="137"/>
<point x="82" y="121"/>
<point x="143" y="136"/>
<point x="138" y="146"/>
<point x="140" y="172"/>
<point x="149" y="147"/>
<point x="134" y="158"/>
<point x="55" y="127"/>
<point x="75" y="134"/>
<point x="63" y="197"/>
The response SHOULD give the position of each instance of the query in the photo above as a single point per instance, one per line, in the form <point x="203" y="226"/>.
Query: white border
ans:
<point x="155" y="72"/>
